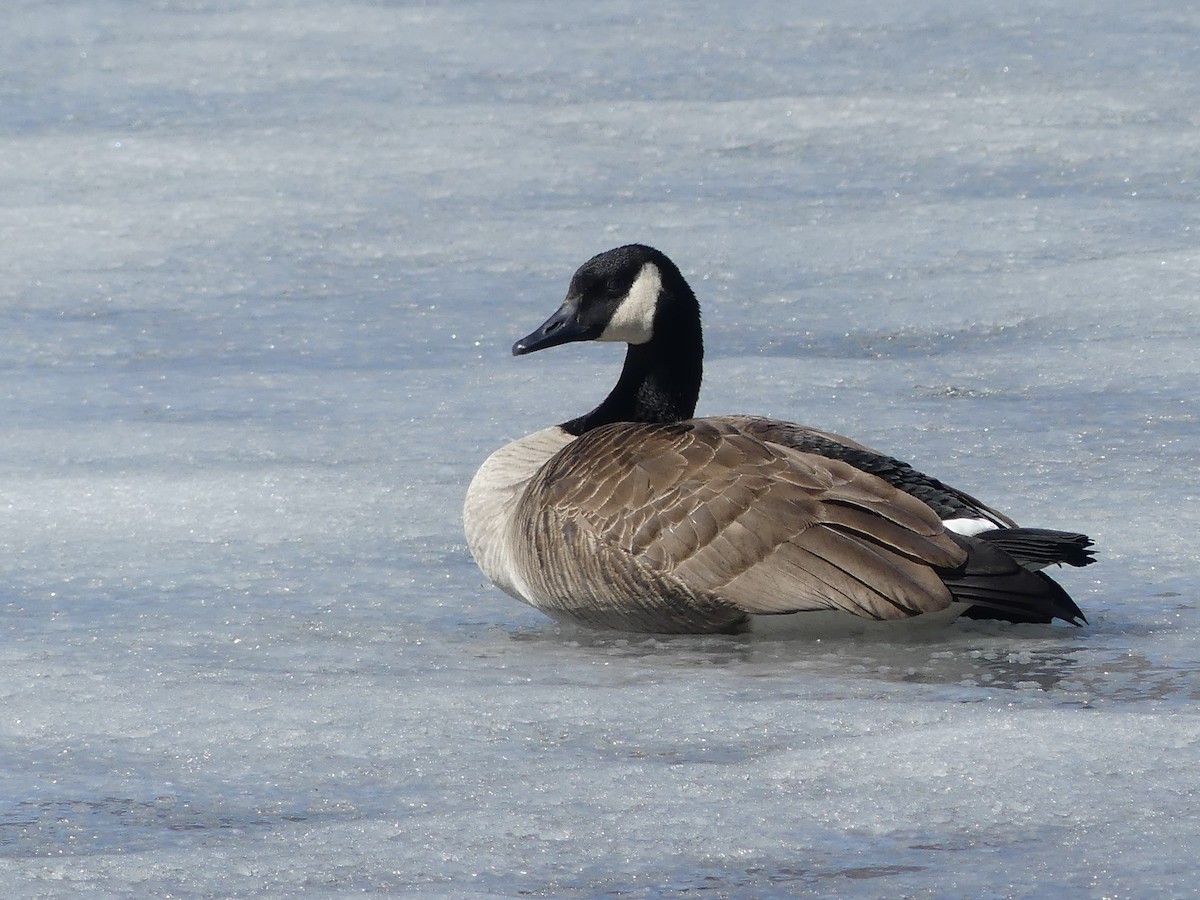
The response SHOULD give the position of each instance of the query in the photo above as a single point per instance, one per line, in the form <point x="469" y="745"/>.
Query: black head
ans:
<point x="614" y="296"/>
<point x="636" y="295"/>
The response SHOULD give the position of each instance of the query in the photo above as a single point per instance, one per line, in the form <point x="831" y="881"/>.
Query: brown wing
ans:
<point x="720" y="517"/>
<point x="949" y="502"/>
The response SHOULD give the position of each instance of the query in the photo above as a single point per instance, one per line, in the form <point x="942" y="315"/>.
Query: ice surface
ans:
<point x="263" y="263"/>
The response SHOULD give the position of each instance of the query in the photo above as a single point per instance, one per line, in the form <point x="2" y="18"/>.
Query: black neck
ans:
<point x="660" y="381"/>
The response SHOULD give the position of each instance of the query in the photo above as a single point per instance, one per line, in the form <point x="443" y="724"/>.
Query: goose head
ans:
<point x="614" y="296"/>
<point x="632" y="294"/>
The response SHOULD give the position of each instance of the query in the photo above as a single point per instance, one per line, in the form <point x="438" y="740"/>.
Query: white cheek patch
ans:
<point x="633" y="321"/>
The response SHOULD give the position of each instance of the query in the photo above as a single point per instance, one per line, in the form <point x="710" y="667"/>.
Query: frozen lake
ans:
<point x="263" y="266"/>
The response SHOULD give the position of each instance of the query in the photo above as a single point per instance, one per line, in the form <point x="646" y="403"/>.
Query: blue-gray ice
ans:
<point x="262" y="264"/>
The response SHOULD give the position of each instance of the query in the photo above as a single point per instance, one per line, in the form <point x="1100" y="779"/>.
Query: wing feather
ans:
<point x="697" y="510"/>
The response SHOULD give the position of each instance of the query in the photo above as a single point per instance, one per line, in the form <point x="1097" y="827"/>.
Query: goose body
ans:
<point x="638" y="517"/>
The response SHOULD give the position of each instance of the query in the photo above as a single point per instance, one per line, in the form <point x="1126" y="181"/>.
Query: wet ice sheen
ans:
<point x="263" y="265"/>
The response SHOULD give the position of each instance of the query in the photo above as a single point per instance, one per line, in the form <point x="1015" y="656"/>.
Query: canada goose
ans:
<point x="638" y="517"/>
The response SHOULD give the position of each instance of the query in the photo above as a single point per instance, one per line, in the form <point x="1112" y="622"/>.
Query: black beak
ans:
<point x="561" y="328"/>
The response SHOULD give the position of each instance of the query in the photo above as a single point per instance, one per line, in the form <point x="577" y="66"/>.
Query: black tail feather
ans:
<point x="998" y="586"/>
<point x="1036" y="548"/>
<point x="1048" y="604"/>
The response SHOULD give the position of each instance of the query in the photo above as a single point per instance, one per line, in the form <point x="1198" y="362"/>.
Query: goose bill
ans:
<point x="561" y="328"/>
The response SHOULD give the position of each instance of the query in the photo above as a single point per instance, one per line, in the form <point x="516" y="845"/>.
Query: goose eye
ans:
<point x="613" y="286"/>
